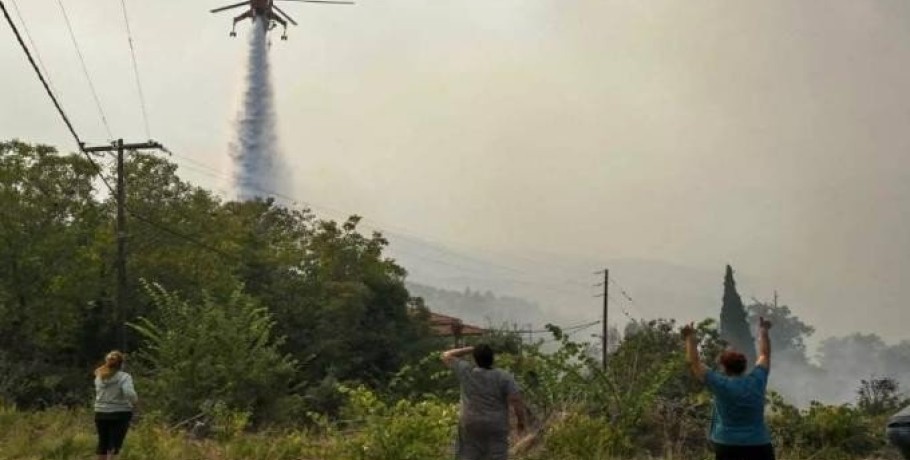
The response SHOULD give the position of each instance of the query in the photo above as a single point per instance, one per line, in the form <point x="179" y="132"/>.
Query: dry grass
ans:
<point x="65" y="434"/>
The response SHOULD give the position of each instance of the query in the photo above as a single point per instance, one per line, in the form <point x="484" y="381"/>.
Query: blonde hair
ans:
<point x="113" y="361"/>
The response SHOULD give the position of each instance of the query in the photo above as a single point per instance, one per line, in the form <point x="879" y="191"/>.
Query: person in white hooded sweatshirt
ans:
<point x="115" y="399"/>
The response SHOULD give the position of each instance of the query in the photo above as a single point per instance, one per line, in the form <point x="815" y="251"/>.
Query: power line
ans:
<point x="88" y="78"/>
<point x="31" y="43"/>
<point x="159" y="226"/>
<point x="54" y="99"/>
<point x="37" y="70"/>
<point x="623" y="310"/>
<point x="626" y="295"/>
<point x="575" y="328"/>
<point x="569" y="333"/>
<point x="181" y="235"/>
<point x="129" y="36"/>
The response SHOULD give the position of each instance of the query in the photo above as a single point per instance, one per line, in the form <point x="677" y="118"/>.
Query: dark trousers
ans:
<point x="727" y="452"/>
<point x="112" y="428"/>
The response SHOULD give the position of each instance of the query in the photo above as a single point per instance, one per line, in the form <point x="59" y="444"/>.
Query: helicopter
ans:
<point x="268" y="10"/>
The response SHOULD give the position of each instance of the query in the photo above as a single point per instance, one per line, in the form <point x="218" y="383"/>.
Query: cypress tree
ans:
<point x="734" y="324"/>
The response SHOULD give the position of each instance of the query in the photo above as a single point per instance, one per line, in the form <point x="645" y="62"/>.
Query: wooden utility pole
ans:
<point x="606" y="323"/>
<point x="120" y="147"/>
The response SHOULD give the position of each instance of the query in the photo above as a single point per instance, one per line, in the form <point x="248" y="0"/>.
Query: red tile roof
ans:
<point x="449" y="326"/>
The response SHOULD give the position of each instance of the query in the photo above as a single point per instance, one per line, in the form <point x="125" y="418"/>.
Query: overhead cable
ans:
<point x="85" y="71"/>
<point x="129" y="36"/>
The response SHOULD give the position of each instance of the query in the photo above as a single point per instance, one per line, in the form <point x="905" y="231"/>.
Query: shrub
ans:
<point x="406" y="430"/>
<point x="212" y="358"/>
<point x="583" y="437"/>
<point x="840" y="429"/>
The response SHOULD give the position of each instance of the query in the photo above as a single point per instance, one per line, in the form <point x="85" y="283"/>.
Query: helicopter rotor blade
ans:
<point x="284" y="15"/>
<point x="223" y="8"/>
<point x="331" y="2"/>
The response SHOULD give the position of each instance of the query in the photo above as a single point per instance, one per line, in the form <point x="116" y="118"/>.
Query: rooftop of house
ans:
<point x="448" y="326"/>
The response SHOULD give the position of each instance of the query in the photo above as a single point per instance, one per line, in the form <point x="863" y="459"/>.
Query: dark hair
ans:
<point x="734" y="362"/>
<point x="483" y="356"/>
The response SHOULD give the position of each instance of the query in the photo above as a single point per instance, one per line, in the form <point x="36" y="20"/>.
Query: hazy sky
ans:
<point x="772" y="135"/>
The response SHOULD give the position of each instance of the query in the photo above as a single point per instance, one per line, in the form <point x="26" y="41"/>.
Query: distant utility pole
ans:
<point x="606" y="314"/>
<point x="606" y="324"/>
<point x="119" y="147"/>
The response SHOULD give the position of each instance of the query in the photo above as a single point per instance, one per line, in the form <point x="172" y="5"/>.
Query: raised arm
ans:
<point x="695" y="365"/>
<point x="764" y="344"/>
<point x="449" y="357"/>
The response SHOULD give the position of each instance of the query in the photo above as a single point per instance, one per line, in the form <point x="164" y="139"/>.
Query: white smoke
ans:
<point x="255" y="151"/>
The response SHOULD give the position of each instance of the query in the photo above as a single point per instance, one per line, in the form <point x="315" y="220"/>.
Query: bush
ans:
<point x="840" y="430"/>
<point x="212" y="358"/>
<point x="582" y="437"/>
<point x="427" y="378"/>
<point x="36" y="383"/>
<point x="406" y="430"/>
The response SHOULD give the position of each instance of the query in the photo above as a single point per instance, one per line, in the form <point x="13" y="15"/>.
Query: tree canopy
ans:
<point x="339" y="304"/>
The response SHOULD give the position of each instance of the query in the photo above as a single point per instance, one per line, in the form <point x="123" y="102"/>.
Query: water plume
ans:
<point x="258" y="167"/>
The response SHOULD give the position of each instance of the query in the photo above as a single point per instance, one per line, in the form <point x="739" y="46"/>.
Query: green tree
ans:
<point x="734" y="325"/>
<point x="338" y="300"/>
<point x="879" y="396"/>
<point x="331" y="290"/>
<point x="789" y="334"/>
<point x="180" y="236"/>
<point x="353" y="323"/>
<point x="53" y="282"/>
<point x="217" y="353"/>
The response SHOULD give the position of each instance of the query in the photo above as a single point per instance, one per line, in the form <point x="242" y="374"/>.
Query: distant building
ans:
<point x="449" y="326"/>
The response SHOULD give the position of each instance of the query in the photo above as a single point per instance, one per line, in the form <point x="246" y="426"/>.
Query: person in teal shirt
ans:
<point x="738" y="428"/>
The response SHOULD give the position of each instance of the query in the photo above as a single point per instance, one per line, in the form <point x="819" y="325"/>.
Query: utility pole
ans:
<point x="606" y="324"/>
<point x="120" y="147"/>
<point x="605" y="336"/>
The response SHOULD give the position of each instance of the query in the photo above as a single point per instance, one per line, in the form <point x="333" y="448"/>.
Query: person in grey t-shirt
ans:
<point x="486" y="393"/>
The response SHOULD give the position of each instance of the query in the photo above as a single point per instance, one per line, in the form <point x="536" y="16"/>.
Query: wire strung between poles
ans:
<point x="129" y="36"/>
<point x="88" y="77"/>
